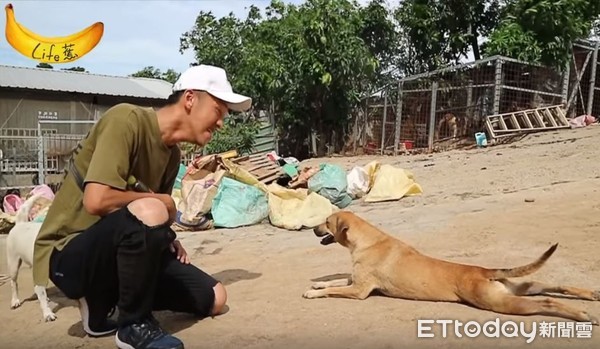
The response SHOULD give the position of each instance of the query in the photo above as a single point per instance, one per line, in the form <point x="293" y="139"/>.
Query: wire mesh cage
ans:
<point x="446" y="108"/>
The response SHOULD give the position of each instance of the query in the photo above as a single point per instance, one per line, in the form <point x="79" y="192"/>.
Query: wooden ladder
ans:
<point x="527" y="121"/>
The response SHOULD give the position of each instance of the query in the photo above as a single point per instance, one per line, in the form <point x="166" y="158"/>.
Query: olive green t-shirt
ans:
<point x="106" y="155"/>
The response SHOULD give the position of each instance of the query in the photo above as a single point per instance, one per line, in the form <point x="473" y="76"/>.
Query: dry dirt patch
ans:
<point x="473" y="210"/>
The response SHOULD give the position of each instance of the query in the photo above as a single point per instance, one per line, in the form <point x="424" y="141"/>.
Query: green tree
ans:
<point x="238" y="133"/>
<point x="44" y="65"/>
<point x="79" y="69"/>
<point x="543" y="31"/>
<point x="311" y="61"/>
<point x="440" y="32"/>
<point x="150" y="72"/>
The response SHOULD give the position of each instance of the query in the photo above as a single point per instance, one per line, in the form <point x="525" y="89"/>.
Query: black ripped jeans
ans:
<point x="119" y="261"/>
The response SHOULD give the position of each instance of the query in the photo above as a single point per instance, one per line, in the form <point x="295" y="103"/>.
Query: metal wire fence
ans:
<point x="36" y="156"/>
<point x="444" y="109"/>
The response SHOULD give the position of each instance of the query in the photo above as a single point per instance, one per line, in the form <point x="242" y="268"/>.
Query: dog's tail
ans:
<point x="22" y="214"/>
<point x="523" y="270"/>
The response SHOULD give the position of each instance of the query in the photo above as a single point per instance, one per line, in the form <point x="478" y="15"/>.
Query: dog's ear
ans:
<point x="341" y="228"/>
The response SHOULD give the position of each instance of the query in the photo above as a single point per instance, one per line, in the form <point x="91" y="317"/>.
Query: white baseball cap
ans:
<point x="214" y="81"/>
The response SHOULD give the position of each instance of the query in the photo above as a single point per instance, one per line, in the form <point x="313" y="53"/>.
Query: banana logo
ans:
<point x="64" y="49"/>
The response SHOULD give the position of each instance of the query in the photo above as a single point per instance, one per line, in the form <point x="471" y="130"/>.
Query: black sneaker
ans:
<point x="146" y="335"/>
<point x="95" y="318"/>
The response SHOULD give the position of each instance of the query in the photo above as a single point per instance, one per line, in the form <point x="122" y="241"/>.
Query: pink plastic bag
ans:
<point x="11" y="203"/>
<point x="44" y="190"/>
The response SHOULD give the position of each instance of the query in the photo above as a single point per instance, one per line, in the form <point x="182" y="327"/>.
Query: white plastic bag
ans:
<point x="358" y="182"/>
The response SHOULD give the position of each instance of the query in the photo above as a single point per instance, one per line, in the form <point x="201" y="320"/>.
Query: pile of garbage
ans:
<point x="216" y="192"/>
<point x="227" y="191"/>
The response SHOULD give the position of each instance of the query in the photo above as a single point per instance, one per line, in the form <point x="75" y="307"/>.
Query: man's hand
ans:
<point x="167" y="199"/>
<point x="182" y="255"/>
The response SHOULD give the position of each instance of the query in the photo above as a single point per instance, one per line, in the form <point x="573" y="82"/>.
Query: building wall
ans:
<point x="19" y="108"/>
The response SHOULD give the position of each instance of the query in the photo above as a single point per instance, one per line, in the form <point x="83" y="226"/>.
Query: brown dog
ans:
<point x="451" y="122"/>
<point x="384" y="263"/>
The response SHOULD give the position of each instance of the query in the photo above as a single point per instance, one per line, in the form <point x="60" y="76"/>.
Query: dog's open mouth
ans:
<point x="328" y="239"/>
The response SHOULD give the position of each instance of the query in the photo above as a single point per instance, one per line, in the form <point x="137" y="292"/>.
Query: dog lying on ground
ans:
<point x="19" y="249"/>
<point x="384" y="263"/>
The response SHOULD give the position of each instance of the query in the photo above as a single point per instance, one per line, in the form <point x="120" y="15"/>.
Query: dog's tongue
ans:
<point x="327" y="240"/>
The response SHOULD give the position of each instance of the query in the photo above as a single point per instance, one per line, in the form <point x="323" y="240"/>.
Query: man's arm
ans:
<point x="100" y="199"/>
<point x="105" y="181"/>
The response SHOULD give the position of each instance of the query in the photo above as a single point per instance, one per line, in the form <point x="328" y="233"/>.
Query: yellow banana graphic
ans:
<point x="63" y="49"/>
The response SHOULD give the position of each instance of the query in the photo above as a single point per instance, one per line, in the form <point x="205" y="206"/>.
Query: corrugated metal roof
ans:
<point x="79" y="82"/>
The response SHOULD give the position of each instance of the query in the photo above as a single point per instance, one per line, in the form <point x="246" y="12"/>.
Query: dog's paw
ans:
<point x="15" y="303"/>
<point x="596" y="295"/>
<point x="48" y="317"/>
<point x="319" y="285"/>
<point x="310" y="294"/>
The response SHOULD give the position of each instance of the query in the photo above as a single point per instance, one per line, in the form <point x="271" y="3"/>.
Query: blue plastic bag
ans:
<point x="238" y="204"/>
<point x="180" y="174"/>
<point x="331" y="182"/>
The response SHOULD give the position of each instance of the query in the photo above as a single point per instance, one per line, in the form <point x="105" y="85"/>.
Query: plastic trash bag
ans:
<point x="358" y="182"/>
<point x="331" y="183"/>
<point x="294" y="209"/>
<point x="238" y="204"/>
<point x="392" y="183"/>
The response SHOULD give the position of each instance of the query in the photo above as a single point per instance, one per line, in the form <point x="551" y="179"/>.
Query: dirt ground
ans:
<point x="473" y="210"/>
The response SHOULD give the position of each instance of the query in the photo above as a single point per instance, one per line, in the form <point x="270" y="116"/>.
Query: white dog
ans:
<point x="19" y="249"/>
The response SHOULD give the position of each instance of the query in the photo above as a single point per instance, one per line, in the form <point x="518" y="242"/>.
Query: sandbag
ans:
<point x="331" y="183"/>
<point x="238" y="204"/>
<point x="198" y="189"/>
<point x="180" y="174"/>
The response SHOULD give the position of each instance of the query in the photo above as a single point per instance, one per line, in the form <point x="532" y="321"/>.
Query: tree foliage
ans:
<point x="150" y="72"/>
<point x="312" y="62"/>
<point x="44" y="65"/>
<point x="543" y="31"/>
<point x="440" y="32"/>
<point x="78" y="69"/>
<point x="238" y="133"/>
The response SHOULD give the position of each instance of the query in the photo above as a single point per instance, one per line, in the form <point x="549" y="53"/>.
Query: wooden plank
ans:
<point x="539" y="118"/>
<point x="516" y="125"/>
<point x="550" y="117"/>
<point x="531" y="129"/>
<point x="562" y="116"/>
<point x="260" y="166"/>
<point x="527" y="121"/>
<point x="269" y="179"/>
<point x="503" y="123"/>
<point x="490" y="128"/>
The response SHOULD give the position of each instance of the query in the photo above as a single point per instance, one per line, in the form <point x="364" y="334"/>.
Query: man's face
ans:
<point x="206" y="115"/>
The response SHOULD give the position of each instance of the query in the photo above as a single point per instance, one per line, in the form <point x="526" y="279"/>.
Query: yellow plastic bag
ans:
<point x="294" y="209"/>
<point x="371" y="169"/>
<point x="392" y="183"/>
<point x="242" y="175"/>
